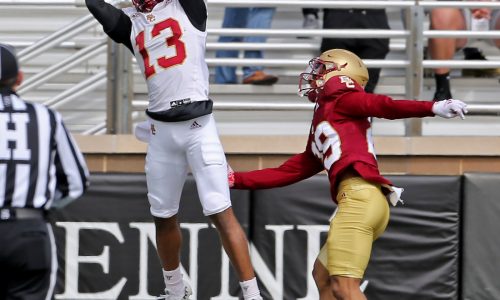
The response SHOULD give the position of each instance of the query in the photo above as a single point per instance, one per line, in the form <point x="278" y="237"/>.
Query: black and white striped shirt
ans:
<point x="40" y="164"/>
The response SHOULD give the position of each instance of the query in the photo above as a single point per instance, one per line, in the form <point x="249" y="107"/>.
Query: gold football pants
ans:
<point x="361" y="217"/>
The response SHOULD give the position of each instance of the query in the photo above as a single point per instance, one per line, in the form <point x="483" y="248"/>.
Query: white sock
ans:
<point x="250" y="289"/>
<point x="173" y="282"/>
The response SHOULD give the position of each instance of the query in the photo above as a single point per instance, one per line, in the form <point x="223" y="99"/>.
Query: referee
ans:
<point x="40" y="166"/>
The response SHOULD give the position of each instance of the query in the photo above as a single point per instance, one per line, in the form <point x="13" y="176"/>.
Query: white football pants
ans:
<point x="173" y="149"/>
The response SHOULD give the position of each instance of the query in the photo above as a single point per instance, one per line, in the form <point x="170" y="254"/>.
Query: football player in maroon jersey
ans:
<point x="340" y="142"/>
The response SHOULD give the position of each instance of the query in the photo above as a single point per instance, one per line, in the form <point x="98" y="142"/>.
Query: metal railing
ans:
<point x="414" y="37"/>
<point x="65" y="33"/>
<point x="474" y="109"/>
<point x="63" y="66"/>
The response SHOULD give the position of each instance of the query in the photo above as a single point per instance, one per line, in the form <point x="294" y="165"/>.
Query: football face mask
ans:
<point x="145" y="6"/>
<point x="312" y="80"/>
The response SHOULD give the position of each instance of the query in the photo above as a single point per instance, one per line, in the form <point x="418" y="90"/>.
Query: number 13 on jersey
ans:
<point x="175" y="41"/>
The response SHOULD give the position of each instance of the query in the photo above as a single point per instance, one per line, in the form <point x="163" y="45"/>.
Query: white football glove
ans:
<point x="450" y="108"/>
<point x="230" y="176"/>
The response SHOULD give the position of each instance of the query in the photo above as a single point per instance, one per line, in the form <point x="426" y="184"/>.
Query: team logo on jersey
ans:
<point x="153" y="129"/>
<point x="150" y="18"/>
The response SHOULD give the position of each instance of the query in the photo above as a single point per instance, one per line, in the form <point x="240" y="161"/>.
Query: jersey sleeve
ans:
<point x="361" y="104"/>
<point x="196" y="10"/>
<point x="295" y="169"/>
<point x="71" y="171"/>
<point x="115" y="22"/>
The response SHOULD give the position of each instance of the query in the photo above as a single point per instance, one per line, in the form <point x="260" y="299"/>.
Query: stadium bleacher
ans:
<point x="22" y="25"/>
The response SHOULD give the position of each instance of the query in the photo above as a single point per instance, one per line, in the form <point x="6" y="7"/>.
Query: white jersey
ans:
<point x="171" y="54"/>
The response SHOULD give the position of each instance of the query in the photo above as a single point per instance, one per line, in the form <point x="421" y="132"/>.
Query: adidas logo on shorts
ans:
<point x="195" y="125"/>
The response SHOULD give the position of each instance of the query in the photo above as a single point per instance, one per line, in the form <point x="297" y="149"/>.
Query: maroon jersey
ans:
<point x="340" y="137"/>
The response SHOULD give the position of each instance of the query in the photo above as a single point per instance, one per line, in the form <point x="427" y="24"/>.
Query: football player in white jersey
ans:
<point x="168" y="40"/>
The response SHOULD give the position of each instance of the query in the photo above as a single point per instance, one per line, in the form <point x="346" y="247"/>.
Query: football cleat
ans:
<point x="187" y="293"/>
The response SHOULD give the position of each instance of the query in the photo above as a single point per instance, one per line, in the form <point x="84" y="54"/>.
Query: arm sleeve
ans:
<point x="360" y="104"/>
<point x="295" y="169"/>
<point x="71" y="171"/>
<point x="196" y="10"/>
<point x="114" y="21"/>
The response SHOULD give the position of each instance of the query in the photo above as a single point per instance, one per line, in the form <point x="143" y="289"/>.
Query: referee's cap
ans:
<point x="8" y="62"/>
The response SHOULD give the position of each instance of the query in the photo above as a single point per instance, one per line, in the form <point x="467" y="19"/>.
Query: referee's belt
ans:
<point x="18" y="213"/>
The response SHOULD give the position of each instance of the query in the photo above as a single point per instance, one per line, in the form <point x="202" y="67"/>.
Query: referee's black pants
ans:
<point x="365" y="48"/>
<point x="25" y="260"/>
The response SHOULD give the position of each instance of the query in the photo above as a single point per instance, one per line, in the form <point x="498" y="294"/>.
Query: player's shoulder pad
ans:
<point x="339" y="85"/>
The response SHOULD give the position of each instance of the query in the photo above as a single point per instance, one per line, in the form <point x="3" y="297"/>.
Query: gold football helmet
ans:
<point x="334" y="62"/>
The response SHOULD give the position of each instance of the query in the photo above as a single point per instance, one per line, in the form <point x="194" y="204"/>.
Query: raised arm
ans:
<point x="71" y="171"/>
<point x="115" y="22"/>
<point x="196" y="10"/>
<point x="295" y="169"/>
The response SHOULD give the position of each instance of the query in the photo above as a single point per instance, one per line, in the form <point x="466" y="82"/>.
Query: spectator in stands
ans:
<point x="369" y="48"/>
<point x="450" y="18"/>
<point x="239" y="17"/>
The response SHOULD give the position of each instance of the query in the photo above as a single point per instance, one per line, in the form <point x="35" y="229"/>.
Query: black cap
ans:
<point x="8" y="63"/>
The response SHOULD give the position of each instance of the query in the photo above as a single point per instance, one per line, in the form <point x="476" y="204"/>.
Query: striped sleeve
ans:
<point x="71" y="171"/>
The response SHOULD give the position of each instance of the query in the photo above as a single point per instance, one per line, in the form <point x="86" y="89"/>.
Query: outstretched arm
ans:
<point x="359" y="104"/>
<point x="115" y="22"/>
<point x="295" y="169"/>
<point x="380" y="106"/>
<point x="352" y="101"/>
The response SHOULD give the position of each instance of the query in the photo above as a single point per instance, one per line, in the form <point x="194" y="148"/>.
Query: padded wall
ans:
<point x="113" y="209"/>
<point x="417" y="257"/>
<point x="481" y="238"/>
<point x="106" y="241"/>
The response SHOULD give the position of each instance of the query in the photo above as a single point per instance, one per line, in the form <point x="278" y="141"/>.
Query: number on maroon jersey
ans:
<point x="172" y="41"/>
<point x="326" y="144"/>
